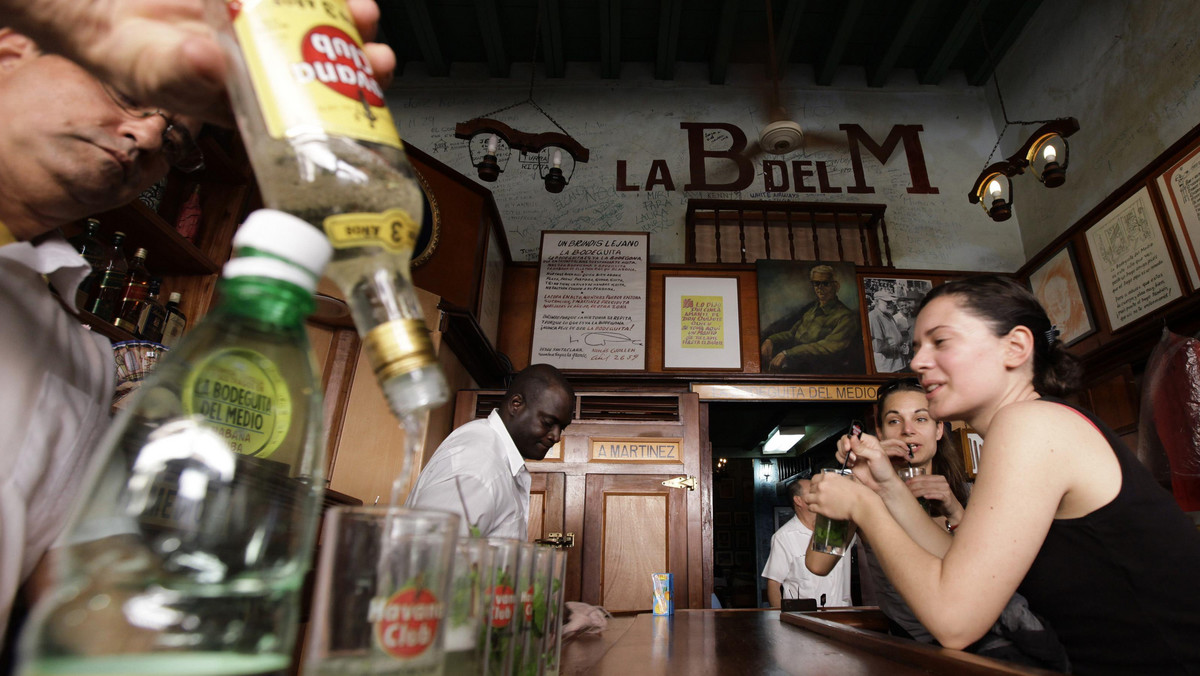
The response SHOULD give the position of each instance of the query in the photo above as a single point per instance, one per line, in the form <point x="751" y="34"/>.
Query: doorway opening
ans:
<point x="750" y="488"/>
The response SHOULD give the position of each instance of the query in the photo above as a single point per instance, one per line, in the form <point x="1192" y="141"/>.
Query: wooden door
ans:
<point x="545" y="504"/>
<point x="634" y="526"/>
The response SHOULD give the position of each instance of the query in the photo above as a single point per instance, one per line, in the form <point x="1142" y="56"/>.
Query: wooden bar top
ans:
<point x="729" y="642"/>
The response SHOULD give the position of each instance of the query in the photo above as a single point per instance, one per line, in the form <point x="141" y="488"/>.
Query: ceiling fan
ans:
<point x="781" y="135"/>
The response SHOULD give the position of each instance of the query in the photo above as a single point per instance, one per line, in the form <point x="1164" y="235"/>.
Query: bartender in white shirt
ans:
<point x="479" y="471"/>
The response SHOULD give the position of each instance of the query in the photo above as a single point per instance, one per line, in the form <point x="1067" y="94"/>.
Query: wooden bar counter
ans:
<point x="727" y="642"/>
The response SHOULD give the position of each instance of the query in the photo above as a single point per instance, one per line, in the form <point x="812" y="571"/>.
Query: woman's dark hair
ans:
<point x="1005" y="304"/>
<point x="948" y="461"/>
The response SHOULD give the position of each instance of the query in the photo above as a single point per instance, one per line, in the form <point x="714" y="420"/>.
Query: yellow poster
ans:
<point x="702" y="322"/>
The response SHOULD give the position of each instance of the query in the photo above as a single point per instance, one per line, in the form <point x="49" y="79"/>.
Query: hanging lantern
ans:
<point x="993" y="190"/>
<point x="1048" y="160"/>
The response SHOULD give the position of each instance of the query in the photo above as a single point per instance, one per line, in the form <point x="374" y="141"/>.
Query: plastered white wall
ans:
<point x="1128" y="70"/>
<point x="637" y="119"/>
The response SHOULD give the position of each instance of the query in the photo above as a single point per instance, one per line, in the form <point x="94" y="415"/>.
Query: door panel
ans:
<point x="633" y="527"/>
<point x="545" y="503"/>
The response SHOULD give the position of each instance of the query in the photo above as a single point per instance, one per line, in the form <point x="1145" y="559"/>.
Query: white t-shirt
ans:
<point x="785" y="565"/>
<point x="54" y="403"/>
<point x="491" y="474"/>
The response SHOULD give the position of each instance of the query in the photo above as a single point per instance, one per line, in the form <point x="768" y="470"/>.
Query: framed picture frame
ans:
<point x="890" y="305"/>
<point x="701" y="327"/>
<point x="1175" y="185"/>
<point x="1133" y="266"/>
<point x="802" y="304"/>
<point x="1059" y="287"/>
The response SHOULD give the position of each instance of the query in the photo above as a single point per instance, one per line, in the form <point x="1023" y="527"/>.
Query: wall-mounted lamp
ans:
<point x="493" y="141"/>
<point x="1044" y="153"/>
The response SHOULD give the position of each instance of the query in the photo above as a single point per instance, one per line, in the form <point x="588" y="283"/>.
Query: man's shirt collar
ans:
<point x="516" y="462"/>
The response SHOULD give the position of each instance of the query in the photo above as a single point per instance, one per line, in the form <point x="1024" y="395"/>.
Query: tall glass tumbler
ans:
<point x="380" y="599"/>
<point x="469" y="614"/>
<point x="504" y="605"/>
<point x="524" y="615"/>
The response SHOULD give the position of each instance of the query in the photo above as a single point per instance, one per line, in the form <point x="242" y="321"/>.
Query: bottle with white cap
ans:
<point x="190" y="545"/>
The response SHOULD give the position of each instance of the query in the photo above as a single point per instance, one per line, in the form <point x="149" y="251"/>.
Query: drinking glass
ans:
<point x="382" y="584"/>
<point x="831" y="536"/>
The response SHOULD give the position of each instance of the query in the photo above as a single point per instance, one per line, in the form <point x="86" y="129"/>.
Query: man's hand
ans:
<point x="768" y="349"/>
<point x="159" y="52"/>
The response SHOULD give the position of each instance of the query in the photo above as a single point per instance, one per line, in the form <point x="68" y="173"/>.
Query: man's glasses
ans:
<point x="178" y="146"/>
<point x="823" y="284"/>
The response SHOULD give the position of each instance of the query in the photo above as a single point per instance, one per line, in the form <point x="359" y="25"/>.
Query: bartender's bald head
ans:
<point x="537" y="407"/>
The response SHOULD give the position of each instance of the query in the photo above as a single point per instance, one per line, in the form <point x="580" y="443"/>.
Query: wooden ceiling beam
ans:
<point x="668" y="39"/>
<point x="787" y="33"/>
<point x="493" y="38"/>
<point x="552" y="40"/>
<point x="967" y="23"/>
<point x="391" y="32"/>
<point x="999" y="46"/>
<point x="610" y="38"/>
<point x="718" y="65"/>
<point x="881" y="71"/>
<point x="427" y="41"/>
<point x="837" y="49"/>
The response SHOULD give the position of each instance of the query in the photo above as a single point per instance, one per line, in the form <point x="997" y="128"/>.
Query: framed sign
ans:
<point x="591" y="301"/>
<point x="700" y="323"/>
<point x="1133" y="267"/>
<point x="891" y="313"/>
<point x="636" y="449"/>
<point x="971" y="444"/>
<point x="1180" y="188"/>
<point x="1060" y="289"/>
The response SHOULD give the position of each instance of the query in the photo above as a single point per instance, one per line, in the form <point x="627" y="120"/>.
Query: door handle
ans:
<point x="557" y="540"/>
<point x="688" y="482"/>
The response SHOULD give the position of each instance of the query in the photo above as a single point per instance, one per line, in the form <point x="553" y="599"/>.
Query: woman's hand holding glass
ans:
<point x="935" y="488"/>
<point x="835" y="496"/>
<point x="871" y="459"/>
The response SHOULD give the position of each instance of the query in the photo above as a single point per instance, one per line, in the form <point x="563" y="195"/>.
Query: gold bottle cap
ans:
<point x="398" y="347"/>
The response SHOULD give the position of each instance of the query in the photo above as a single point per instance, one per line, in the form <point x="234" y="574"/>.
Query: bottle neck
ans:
<point x="270" y="301"/>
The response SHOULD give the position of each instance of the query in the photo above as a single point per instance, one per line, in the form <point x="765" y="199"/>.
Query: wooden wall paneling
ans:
<point x="517" y="312"/>
<point x="546" y="491"/>
<point x="574" y="506"/>
<point x="340" y="365"/>
<point x="537" y="514"/>
<point x="697" y="505"/>
<point x="1114" y="399"/>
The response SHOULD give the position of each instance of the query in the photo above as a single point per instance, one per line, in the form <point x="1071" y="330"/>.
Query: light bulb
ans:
<point x="558" y="158"/>
<point x="1050" y="153"/>
<point x="994" y="188"/>
<point x="492" y="145"/>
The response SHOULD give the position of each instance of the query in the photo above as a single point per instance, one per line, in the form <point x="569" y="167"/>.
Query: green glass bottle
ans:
<point x="187" y="552"/>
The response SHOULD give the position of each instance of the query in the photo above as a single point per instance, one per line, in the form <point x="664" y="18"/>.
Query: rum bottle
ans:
<point x="105" y="298"/>
<point x="137" y="289"/>
<point x="324" y="147"/>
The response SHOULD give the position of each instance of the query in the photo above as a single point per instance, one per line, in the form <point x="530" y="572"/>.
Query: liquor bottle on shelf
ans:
<point x="137" y="288"/>
<point x="188" y="550"/>
<point x="153" y="316"/>
<point x="88" y="244"/>
<point x="175" y="322"/>
<point x="105" y="298"/>
<point x="328" y="152"/>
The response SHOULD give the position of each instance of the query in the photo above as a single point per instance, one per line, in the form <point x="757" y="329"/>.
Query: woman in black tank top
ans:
<point x="1061" y="511"/>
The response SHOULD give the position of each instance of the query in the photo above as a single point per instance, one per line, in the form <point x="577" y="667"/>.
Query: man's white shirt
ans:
<point x="481" y="459"/>
<point x="785" y="565"/>
<point x="54" y="403"/>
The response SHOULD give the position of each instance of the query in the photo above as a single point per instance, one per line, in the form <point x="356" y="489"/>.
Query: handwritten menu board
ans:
<point x="1132" y="264"/>
<point x="591" y="304"/>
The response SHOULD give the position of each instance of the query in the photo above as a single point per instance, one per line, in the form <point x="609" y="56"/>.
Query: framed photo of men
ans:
<point x="891" y="312"/>
<point x="808" y="318"/>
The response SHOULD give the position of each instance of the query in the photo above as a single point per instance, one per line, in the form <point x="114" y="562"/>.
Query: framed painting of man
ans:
<point x="808" y="318"/>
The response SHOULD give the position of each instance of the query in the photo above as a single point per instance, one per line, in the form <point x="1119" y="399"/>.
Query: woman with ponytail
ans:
<point x="1062" y="511"/>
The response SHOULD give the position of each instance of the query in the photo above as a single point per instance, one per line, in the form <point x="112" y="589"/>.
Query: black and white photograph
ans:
<point x="891" y="312"/>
